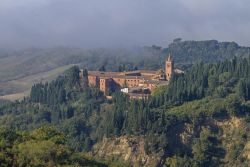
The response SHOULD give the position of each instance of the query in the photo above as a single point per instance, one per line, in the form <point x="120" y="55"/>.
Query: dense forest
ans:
<point x="182" y="123"/>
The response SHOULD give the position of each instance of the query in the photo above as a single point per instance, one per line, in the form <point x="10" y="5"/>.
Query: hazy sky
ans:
<point x="112" y="23"/>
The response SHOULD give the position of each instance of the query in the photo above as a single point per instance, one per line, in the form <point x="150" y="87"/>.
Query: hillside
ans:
<point x="200" y="119"/>
<point x="21" y="69"/>
<point x="17" y="66"/>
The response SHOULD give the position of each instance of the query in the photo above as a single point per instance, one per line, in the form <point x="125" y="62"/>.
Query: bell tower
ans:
<point x="169" y="67"/>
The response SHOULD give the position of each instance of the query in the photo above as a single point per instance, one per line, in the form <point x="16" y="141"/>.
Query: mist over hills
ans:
<point x="91" y="83"/>
<point x="16" y="65"/>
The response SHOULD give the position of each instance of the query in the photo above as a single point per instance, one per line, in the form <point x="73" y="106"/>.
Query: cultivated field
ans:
<point x="18" y="88"/>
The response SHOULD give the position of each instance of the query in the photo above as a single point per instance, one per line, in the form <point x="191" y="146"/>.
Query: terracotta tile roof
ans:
<point x="144" y="74"/>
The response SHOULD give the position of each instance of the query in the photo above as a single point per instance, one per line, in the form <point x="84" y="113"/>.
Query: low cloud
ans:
<point x="112" y="23"/>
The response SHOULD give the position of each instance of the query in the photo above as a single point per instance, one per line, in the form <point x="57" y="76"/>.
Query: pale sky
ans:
<point x="115" y="23"/>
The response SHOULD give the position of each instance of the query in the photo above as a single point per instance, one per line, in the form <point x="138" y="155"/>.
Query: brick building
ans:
<point x="111" y="81"/>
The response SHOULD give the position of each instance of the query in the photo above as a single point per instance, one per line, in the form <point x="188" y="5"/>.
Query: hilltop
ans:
<point x="20" y="69"/>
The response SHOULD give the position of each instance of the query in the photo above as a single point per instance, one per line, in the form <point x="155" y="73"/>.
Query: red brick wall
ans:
<point x="93" y="80"/>
<point x="132" y="82"/>
<point x="120" y="81"/>
<point x="103" y="84"/>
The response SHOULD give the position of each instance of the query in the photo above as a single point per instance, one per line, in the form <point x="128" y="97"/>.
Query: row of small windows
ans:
<point x="132" y="80"/>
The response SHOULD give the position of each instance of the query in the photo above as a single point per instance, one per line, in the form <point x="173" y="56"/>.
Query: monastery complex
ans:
<point x="137" y="84"/>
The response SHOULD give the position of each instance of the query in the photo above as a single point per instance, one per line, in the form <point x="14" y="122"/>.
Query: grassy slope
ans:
<point x="17" y="89"/>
